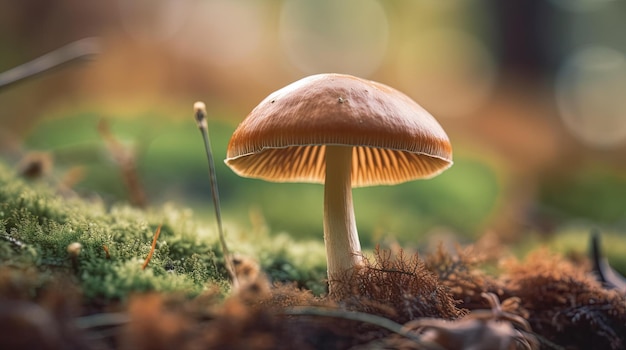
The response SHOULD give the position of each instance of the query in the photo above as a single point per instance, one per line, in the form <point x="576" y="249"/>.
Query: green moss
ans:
<point x="37" y="225"/>
<point x="304" y="262"/>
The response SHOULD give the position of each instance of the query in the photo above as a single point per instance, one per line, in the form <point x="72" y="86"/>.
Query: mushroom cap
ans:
<point x="284" y="138"/>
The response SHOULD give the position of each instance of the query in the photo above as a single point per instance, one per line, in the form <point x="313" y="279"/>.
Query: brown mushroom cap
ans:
<point x="283" y="139"/>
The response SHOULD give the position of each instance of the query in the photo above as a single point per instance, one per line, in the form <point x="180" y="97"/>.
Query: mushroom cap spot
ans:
<point x="394" y="139"/>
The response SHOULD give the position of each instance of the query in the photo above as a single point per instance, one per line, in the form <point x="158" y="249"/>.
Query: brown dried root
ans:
<point x="399" y="288"/>
<point x="565" y="304"/>
<point x="460" y="272"/>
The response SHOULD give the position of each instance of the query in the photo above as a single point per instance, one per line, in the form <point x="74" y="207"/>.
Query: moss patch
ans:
<point x="37" y="224"/>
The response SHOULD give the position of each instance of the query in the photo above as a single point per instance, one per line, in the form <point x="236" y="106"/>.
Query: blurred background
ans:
<point x="532" y="94"/>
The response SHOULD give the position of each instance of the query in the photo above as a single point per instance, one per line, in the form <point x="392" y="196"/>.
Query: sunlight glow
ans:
<point x="152" y="21"/>
<point x="590" y="88"/>
<point x="223" y="32"/>
<point x="348" y="36"/>
<point x="450" y="72"/>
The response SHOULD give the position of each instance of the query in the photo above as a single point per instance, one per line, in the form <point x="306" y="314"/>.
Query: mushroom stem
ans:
<point x="343" y="249"/>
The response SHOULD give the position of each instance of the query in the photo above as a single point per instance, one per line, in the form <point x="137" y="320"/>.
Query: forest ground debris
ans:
<point x="182" y="299"/>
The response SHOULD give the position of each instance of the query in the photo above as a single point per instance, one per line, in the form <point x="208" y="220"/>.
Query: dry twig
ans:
<point x="154" y="241"/>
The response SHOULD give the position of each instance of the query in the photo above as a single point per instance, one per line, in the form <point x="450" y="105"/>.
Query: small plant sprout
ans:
<point x="200" y="115"/>
<point x="343" y="132"/>
<point x="73" y="249"/>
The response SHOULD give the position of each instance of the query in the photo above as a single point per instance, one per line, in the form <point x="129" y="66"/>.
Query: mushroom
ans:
<point x="344" y="132"/>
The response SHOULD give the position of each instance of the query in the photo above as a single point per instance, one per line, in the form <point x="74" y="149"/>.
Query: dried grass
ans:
<point x="565" y="303"/>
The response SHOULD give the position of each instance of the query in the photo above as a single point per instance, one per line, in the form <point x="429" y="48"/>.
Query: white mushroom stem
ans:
<point x="343" y="249"/>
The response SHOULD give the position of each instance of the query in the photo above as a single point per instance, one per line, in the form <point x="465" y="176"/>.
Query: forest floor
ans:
<point x="75" y="274"/>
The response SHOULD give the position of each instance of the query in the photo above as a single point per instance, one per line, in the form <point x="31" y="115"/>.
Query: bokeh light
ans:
<point x="590" y="88"/>
<point x="330" y="36"/>
<point x="219" y="32"/>
<point x="450" y="72"/>
<point x="151" y="21"/>
<point x="223" y="32"/>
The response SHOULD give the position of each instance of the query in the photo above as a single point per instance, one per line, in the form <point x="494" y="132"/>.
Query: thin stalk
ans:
<point x="343" y="249"/>
<point x="200" y="115"/>
<point x="72" y="52"/>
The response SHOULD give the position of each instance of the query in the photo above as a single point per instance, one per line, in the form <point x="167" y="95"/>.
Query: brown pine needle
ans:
<point x="106" y="251"/>
<point x="154" y="240"/>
